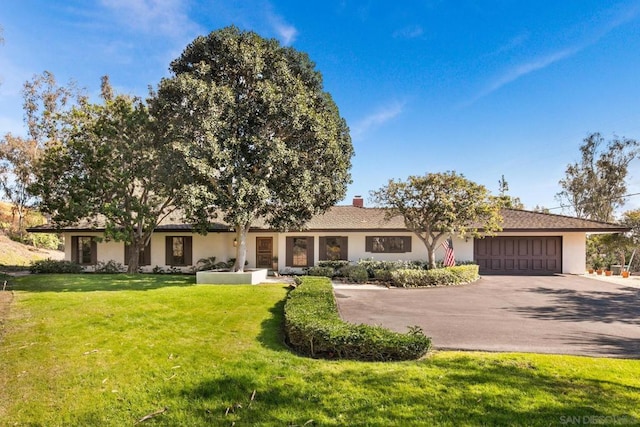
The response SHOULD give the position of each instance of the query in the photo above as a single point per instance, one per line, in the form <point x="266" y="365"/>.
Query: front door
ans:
<point x="264" y="252"/>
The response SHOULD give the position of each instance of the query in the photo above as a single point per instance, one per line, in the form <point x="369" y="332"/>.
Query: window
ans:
<point x="333" y="248"/>
<point x="299" y="252"/>
<point x="178" y="250"/>
<point x="388" y="244"/>
<point x="144" y="256"/>
<point x="84" y="250"/>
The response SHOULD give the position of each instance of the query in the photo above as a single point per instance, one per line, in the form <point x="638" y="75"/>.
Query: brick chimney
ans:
<point x="358" y="202"/>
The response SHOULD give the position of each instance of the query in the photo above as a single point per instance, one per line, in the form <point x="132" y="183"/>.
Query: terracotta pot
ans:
<point x="599" y="271"/>
<point x="608" y="273"/>
<point x="591" y="271"/>
<point x="625" y="274"/>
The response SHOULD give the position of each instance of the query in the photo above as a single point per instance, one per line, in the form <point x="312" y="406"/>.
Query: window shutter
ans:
<point x="322" y="254"/>
<point x="310" y="252"/>
<point x="289" y="252"/>
<point x="74" y="249"/>
<point x="147" y="254"/>
<point x="344" y="248"/>
<point x="188" y="250"/>
<point x="168" y="256"/>
<point x="94" y="251"/>
<point x="407" y="244"/>
<point x="127" y="251"/>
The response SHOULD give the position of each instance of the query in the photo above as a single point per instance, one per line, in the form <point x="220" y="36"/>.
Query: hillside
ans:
<point x="14" y="253"/>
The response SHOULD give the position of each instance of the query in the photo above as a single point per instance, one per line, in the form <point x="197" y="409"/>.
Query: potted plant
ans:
<point x="597" y="264"/>
<point x="625" y="274"/>
<point x="608" y="272"/>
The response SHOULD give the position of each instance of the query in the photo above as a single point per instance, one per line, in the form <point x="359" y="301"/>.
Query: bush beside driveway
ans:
<point x="546" y="314"/>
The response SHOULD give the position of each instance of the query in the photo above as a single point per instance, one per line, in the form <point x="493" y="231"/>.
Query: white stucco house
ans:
<point x="531" y="243"/>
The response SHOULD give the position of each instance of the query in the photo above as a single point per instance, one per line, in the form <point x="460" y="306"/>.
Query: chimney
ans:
<point x="358" y="202"/>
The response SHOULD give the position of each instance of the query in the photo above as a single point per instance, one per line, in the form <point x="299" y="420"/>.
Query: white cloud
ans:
<point x="615" y="19"/>
<point x="167" y="17"/>
<point x="522" y="70"/>
<point x="286" y="32"/>
<point x="376" y="119"/>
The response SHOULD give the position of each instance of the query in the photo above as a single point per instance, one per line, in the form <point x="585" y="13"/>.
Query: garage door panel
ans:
<point x="523" y="248"/>
<point x="509" y="248"/>
<point x="519" y="255"/>
<point x="523" y="264"/>
<point x="494" y="248"/>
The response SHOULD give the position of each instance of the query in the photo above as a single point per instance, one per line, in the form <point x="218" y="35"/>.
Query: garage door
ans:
<point x="519" y="255"/>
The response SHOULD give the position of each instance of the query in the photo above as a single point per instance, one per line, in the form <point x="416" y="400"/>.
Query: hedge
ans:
<point x="313" y="328"/>
<point x="458" y="275"/>
<point x="55" y="266"/>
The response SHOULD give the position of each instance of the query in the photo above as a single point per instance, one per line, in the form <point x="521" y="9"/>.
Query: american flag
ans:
<point x="449" y="256"/>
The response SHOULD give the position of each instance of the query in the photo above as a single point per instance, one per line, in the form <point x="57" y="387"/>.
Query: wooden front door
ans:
<point x="264" y="252"/>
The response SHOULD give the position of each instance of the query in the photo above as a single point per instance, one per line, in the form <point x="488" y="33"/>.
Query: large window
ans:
<point x="144" y="257"/>
<point x="333" y="248"/>
<point x="299" y="252"/>
<point x="178" y="250"/>
<point x="84" y="250"/>
<point x="388" y="244"/>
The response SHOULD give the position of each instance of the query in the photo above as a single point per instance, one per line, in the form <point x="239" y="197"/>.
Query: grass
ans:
<point x="109" y="350"/>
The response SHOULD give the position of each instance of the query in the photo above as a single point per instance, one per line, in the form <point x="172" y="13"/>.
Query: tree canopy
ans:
<point x="438" y="205"/>
<point x="594" y="187"/>
<point x="18" y="157"/>
<point x="257" y="132"/>
<point x="107" y="165"/>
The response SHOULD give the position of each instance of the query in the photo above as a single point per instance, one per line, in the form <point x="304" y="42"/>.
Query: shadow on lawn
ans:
<point x="272" y="334"/>
<point x="460" y="391"/>
<point x="90" y="282"/>
<point x="587" y="306"/>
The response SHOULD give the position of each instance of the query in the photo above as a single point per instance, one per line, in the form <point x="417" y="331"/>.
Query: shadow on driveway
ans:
<point x="550" y="314"/>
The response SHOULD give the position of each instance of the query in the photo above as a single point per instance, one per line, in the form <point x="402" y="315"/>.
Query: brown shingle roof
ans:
<point x="350" y="218"/>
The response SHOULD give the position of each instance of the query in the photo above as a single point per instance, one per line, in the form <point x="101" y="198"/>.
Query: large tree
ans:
<point x="594" y="187"/>
<point x="108" y="166"/>
<point x="438" y="205"/>
<point x="507" y="200"/>
<point x="260" y="136"/>
<point x="18" y="158"/>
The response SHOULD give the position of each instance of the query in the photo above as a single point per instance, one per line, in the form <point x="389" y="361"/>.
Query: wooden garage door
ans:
<point x="519" y="255"/>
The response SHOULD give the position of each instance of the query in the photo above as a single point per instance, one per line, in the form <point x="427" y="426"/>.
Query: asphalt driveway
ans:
<point x="551" y="314"/>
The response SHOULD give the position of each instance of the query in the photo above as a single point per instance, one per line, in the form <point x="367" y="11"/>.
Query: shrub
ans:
<point x="372" y="265"/>
<point x="321" y="271"/>
<point x="54" y="266"/>
<point x="109" y="267"/>
<point x="355" y="273"/>
<point x="336" y="265"/>
<point x="314" y="328"/>
<point x="457" y="275"/>
<point x="204" y="264"/>
<point x="381" y="274"/>
<point x="42" y="240"/>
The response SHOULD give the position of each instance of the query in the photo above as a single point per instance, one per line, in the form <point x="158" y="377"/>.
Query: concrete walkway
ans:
<point x="557" y="314"/>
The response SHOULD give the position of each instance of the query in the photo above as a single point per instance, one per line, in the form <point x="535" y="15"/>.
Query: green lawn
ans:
<point x="108" y="350"/>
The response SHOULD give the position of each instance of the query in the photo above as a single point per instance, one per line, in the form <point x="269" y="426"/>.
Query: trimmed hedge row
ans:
<point x="458" y="275"/>
<point x="313" y="328"/>
<point x="55" y="266"/>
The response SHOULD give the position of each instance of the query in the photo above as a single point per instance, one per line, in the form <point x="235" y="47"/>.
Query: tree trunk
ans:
<point x="241" y="248"/>
<point x="431" y="254"/>
<point x="134" y="258"/>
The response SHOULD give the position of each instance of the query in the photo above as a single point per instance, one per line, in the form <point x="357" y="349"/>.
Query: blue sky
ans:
<point x="485" y="88"/>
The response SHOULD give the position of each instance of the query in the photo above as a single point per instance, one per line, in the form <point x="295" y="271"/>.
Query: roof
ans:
<point x="351" y="218"/>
